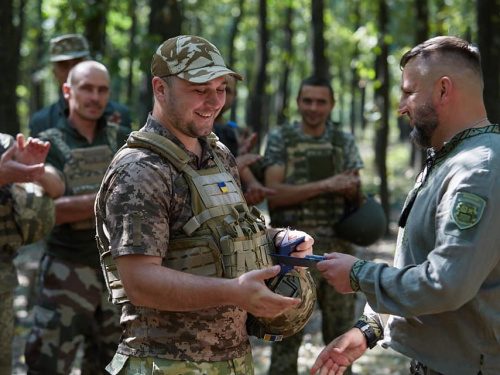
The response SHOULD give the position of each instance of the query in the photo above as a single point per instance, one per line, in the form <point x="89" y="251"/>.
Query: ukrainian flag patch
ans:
<point x="223" y="187"/>
<point x="468" y="209"/>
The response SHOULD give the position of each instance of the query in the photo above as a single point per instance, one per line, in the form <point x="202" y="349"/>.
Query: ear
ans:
<point x="445" y="89"/>
<point x="66" y="91"/>
<point x="160" y="88"/>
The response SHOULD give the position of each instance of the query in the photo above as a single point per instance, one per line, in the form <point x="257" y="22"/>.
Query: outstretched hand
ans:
<point x="340" y="353"/>
<point x="336" y="269"/>
<point x="256" y="298"/>
<point x="28" y="165"/>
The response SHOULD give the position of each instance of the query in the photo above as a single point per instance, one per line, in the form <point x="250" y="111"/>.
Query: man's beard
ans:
<point x="425" y="122"/>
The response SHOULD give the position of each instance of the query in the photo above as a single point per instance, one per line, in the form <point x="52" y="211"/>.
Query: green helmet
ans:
<point x="364" y="225"/>
<point x="34" y="211"/>
<point x="296" y="283"/>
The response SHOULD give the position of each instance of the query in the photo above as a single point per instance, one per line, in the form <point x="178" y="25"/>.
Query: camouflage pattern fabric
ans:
<point x="145" y="186"/>
<point x="64" y="317"/>
<point x="124" y="365"/>
<point x="307" y="159"/>
<point x="6" y="329"/>
<point x="68" y="47"/>
<point x="311" y="159"/>
<point x="191" y="58"/>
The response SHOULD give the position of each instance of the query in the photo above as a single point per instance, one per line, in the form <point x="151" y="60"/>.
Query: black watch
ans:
<point x="371" y="337"/>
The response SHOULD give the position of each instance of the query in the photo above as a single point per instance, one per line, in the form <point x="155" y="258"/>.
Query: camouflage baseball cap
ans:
<point x="68" y="47"/>
<point x="191" y="58"/>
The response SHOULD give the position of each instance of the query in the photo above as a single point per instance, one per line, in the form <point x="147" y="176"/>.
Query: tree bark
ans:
<point x="10" y="37"/>
<point x="95" y="27"/>
<point x="258" y="109"/>
<point x="382" y="100"/>
<point x="488" y="23"/>
<point x="284" y="91"/>
<point x="320" y="61"/>
<point x="165" y="21"/>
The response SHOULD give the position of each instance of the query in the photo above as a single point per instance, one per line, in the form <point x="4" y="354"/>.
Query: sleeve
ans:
<point x="137" y="207"/>
<point x="275" y="150"/>
<point x="352" y="159"/>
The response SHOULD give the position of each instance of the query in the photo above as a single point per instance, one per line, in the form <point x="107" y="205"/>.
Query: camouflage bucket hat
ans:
<point x="68" y="47"/>
<point x="191" y="58"/>
<point x="34" y="211"/>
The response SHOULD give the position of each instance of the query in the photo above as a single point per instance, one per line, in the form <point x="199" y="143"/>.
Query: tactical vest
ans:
<point x="10" y="238"/>
<point x="84" y="167"/>
<point x="309" y="160"/>
<point x="224" y="238"/>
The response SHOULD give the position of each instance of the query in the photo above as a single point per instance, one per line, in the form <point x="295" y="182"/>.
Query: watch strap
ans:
<point x="368" y="332"/>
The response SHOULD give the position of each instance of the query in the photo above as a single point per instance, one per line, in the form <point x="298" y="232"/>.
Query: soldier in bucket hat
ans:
<point x="180" y="249"/>
<point x="65" y="52"/>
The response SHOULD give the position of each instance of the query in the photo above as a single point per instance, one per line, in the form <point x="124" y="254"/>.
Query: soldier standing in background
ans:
<point x="65" y="52"/>
<point x="313" y="167"/>
<point x="26" y="215"/>
<point x="73" y="304"/>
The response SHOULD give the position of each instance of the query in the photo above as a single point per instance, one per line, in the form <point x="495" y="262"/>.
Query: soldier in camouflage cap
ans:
<point x="190" y="257"/>
<point x="72" y="306"/>
<point x="21" y="164"/>
<point x="65" y="52"/>
<point x="313" y="166"/>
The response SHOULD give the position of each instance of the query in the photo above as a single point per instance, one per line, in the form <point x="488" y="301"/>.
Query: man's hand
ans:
<point x="256" y="298"/>
<point x="243" y="161"/>
<point x="340" y="353"/>
<point x="256" y="192"/>
<point x="336" y="270"/>
<point x="115" y="118"/>
<point x="246" y="142"/>
<point x="28" y="166"/>
<point x="346" y="183"/>
<point x="32" y="152"/>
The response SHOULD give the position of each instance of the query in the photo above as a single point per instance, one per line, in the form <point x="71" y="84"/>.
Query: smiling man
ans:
<point x="73" y="304"/>
<point x="191" y="256"/>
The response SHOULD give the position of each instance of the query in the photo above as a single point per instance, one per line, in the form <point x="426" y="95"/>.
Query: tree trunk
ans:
<point x="354" y="72"/>
<point x="95" y="27"/>
<point x="165" y="21"/>
<point x="283" y="91"/>
<point x="418" y="156"/>
<point x="320" y="62"/>
<point x="132" y="51"/>
<point x="36" y="97"/>
<point x="231" y="59"/>
<point x="10" y="37"/>
<point x="383" y="102"/>
<point x="258" y="104"/>
<point x="488" y="22"/>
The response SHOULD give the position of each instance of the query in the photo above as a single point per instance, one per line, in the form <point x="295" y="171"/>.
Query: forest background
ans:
<point x="274" y="44"/>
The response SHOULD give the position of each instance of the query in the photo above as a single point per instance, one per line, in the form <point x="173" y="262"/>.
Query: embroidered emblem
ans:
<point x="223" y="187"/>
<point x="468" y="209"/>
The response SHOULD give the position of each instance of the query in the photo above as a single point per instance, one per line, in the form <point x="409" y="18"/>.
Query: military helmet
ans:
<point x="34" y="211"/>
<point x="363" y="225"/>
<point x="296" y="283"/>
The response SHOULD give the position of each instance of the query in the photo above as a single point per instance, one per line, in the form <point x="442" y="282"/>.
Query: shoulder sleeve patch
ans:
<point x="467" y="209"/>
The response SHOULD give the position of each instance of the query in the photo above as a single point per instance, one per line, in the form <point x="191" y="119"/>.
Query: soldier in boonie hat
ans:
<point x="191" y="58"/>
<point x="68" y="47"/>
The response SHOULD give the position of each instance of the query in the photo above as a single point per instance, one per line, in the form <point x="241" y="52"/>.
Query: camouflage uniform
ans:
<point x="72" y="304"/>
<point x="10" y="240"/>
<point x="178" y="342"/>
<point x="308" y="159"/>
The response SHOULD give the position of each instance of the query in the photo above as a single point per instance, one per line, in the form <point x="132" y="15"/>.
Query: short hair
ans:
<point x="316" y="81"/>
<point x="87" y="64"/>
<point x="459" y="48"/>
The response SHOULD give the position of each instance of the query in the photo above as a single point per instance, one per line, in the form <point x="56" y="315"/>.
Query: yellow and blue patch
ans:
<point x="468" y="209"/>
<point x="223" y="187"/>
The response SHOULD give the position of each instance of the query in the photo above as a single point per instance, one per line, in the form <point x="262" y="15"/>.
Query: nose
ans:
<point x="215" y="100"/>
<point x="402" y="110"/>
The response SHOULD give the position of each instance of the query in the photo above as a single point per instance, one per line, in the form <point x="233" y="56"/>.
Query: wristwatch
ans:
<point x="371" y="337"/>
